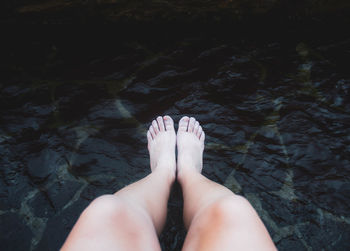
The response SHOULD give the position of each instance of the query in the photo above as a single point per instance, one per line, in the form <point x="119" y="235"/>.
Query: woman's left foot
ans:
<point x="161" y="144"/>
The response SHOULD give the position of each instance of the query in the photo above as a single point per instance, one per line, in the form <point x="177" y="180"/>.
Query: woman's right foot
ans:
<point x="190" y="145"/>
<point x="161" y="145"/>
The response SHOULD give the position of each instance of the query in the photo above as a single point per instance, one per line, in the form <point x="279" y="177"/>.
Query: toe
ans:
<point x="183" y="124"/>
<point x="191" y="124"/>
<point x="202" y="138"/>
<point x="151" y="130"/>
<point x="155" y="126"/>
<point x="169" y="123"/>
<point x="160" y="124"/>
<point x="149" y="136"/>
<point x="199" y="132"/>
<point x="196" y="126"/>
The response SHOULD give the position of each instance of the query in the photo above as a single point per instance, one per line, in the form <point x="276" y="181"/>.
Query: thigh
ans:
<point x="228" y="224"/>
<point x="109" y="223"/>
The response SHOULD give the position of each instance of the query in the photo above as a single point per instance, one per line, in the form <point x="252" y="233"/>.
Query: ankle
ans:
<point x="184" y="175"/>
<point x="188" y="166"/>
<point x="166" y="172"/>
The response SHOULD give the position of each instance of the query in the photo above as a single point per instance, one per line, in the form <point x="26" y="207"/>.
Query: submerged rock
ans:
<point x="12" y="226"/>
<point x="42" y="165"/>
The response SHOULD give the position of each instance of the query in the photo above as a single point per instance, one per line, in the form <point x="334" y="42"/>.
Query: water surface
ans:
<point x="276" y="113"/>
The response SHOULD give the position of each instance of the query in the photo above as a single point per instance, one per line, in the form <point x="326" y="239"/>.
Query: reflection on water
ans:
<point x="276" y="115"/>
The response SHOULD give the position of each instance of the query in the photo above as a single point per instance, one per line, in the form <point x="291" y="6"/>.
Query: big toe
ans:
<point x="183" y="124"/>
<point x="168" y="123"/>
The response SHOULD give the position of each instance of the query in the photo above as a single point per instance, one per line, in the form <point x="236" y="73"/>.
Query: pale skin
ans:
<point x="133" y="218"/>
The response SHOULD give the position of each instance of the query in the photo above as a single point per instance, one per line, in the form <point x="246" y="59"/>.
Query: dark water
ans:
<point x="276" y="113"/>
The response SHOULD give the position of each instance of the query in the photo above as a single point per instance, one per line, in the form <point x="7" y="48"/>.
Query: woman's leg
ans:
<point x="132" y="218"/>
<point x="216" y="218"/>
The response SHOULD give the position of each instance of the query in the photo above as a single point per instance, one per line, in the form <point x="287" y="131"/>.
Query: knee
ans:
<point x="106" y="206"/>
<point x="229" y="209"/>
<point x="110" y="215"/>
<point x="220" y="217"/>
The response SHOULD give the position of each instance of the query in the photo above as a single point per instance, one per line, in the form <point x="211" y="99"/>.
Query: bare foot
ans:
<point x="161" y="144"/>
<point x="190" y="146"/>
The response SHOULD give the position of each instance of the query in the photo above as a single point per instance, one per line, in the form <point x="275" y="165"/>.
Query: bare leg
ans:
<point x="216" y="218"/>
<point x="132" y="217"/>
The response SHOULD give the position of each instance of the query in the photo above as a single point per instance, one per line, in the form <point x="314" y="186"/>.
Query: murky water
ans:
<point x="276" y="114"/>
